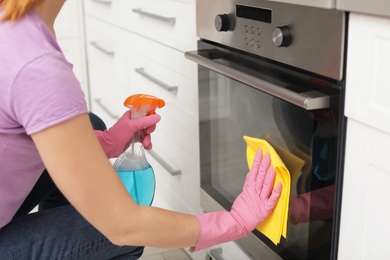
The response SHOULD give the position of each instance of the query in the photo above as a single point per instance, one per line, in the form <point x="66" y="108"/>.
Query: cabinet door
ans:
<point x="365" y="212"/>
<point x="368" y="90"/>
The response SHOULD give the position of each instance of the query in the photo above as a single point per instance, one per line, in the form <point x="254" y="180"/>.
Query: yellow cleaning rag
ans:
<point x="275" y="225"/>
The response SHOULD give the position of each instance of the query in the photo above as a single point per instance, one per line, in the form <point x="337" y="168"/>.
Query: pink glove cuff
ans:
<point x="117" y="139"/>
<point x="217" y="228"/>
<point x="108" y="147"/>
<point x="252" y="206"/>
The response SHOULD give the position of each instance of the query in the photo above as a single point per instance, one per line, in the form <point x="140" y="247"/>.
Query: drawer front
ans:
<point x="176" y="109"/>
<point x="107" y="96"/>
<point x="111" y="11"/>
<point x="171" y="22"/>
<point x="182" y="185"/>
<point x="161" y="54"/>
<point x="152" y="75"/>
<point x="106" y="49"/>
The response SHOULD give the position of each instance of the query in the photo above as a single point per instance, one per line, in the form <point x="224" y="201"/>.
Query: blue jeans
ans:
<point x="57" y="230"/>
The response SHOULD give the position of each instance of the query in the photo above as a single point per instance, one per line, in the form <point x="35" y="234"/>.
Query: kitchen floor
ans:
<point x="164" y="254"/>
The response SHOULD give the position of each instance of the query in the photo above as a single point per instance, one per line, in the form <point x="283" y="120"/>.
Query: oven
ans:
<point x="274" y="71"/>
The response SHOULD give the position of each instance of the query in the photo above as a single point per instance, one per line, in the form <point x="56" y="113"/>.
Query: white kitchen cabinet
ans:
<point x="70" y="36"/>
<point x="365" y="211"/>
<point x="107" y="104"/>
<point x="328" y="4"/>
<point x="107" y="69"/>
<point x="133" y="47"/>
<point x="368" y="66"/>
<point x="107" y="49"/>
<point x="375" y="7"/>
<point x="162" y="71"/>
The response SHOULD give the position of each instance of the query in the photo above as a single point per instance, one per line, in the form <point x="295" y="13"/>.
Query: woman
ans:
<point x="44" y="123"/>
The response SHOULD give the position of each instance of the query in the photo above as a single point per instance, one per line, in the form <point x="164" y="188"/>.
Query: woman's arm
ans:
<point x="80" y="169"/>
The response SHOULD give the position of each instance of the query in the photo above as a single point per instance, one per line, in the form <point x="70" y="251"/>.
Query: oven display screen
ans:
<point x="257" y="14"/>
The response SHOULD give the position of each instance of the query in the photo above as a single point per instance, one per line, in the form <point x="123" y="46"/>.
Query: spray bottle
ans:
<point x="132" y="167"/>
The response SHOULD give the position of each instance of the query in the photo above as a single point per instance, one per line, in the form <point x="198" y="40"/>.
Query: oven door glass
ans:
<point x="230" y="109"/>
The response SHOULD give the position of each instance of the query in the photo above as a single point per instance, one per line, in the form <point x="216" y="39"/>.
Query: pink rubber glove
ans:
<point x="117" y="139"/>
<point x="250" y="208"/>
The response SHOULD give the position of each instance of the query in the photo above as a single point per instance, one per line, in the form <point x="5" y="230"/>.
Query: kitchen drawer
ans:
<point x="159" y="53"/>
<point x="106" y="48"/>
<point x="111" y="11"/>
<point x="171" y="22"/>
<point x="107" y="95"/>
<point x="152" y="75"/>
<point x="177" y="173"/>
<point x="367" y="82"/>
<point x="176" y="108"/>
<point x="178" y="135"/>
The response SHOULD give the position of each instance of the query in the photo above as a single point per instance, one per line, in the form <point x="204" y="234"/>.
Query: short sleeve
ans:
<point x="45" y="93"/>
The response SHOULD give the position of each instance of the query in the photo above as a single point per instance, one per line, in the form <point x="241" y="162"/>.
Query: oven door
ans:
<point x="298" y="114"/>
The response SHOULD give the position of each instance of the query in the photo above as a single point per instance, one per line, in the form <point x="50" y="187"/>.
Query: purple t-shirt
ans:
<point x="38" y="89"/>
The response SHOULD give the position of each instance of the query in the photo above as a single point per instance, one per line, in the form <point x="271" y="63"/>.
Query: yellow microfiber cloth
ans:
<point x="275" y="225"/>
<point x="295" y="165"/>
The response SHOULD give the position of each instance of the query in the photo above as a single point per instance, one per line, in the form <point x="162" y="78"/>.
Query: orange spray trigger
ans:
<point x="143" y="105"/>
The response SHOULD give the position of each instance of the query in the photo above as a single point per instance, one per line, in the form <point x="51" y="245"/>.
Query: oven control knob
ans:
<point x="222" y="22"/>
<point x="281" y="36"/>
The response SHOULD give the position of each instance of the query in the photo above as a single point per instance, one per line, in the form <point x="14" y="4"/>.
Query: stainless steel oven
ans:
<point x="274" y="71"/>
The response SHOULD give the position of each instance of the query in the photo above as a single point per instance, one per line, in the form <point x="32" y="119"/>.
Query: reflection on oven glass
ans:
<point x="305" y="140"/>
<point x="311" y="136"/>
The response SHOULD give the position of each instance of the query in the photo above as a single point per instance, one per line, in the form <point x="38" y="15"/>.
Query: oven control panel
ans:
<point x="300" y="36"/>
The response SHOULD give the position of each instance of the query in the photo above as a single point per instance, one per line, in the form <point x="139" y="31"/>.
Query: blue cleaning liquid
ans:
<point x="141" y="185"/>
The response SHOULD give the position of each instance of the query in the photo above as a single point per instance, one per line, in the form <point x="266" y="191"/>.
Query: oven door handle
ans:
<point x="309" y="100"/>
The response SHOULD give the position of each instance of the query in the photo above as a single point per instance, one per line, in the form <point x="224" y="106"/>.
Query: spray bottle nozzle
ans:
<point x="143" y="105"/>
